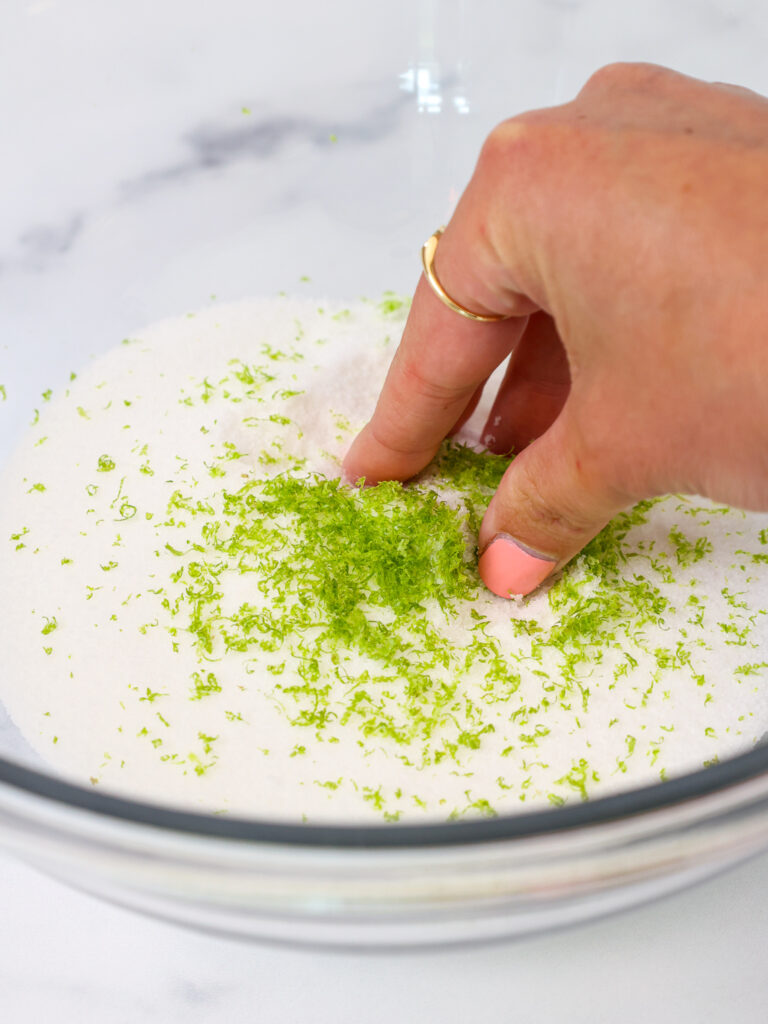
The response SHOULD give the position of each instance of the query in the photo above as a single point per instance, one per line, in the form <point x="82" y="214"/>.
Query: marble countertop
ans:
<point x="143" y="142"/>
<point x="696" y="956"/>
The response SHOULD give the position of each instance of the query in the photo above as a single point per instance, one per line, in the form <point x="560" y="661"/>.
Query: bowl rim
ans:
<point x="547" y="822"/>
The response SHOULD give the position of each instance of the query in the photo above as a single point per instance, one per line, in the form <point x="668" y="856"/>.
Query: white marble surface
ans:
<point x="157" y="151"/>
<point x="696" y="957"/>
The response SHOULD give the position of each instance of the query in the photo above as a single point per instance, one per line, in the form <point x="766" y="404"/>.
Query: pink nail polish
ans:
<point x="509" y="568"/>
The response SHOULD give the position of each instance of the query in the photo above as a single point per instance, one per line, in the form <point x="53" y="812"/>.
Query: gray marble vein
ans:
<point x="217" y="145"/>
<point x="41" y="243"/>
<point x="211" y="145"/>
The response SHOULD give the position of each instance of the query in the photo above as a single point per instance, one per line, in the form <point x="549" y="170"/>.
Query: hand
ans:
<point x="626" y="233"/>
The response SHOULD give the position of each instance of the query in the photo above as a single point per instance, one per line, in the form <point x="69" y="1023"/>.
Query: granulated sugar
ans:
<point x="196" y="613"/>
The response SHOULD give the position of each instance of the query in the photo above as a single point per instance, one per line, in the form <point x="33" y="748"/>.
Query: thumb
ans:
<point x="552" y="500"/>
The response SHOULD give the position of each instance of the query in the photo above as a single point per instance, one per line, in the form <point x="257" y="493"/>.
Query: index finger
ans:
<point x="443" y="357"/>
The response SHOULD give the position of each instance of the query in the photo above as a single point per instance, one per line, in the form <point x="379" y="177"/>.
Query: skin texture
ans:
<point x="627" y="234"/>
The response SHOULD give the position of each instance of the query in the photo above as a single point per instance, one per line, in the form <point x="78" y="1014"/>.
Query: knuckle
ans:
<point x="514" y="161"/>
<point x="394" y="440"/>
<point x="553" y="512"/>
<point x="416" y="384"/>
<point x="623" y="75"/>
<point x="505" y="141"/>
<point x="568" y="496"/>
<point x="737" y="90"/>
<point x="607" y="75"/>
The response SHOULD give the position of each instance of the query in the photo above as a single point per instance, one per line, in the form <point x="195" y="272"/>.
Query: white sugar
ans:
<point x="137" y="648"/>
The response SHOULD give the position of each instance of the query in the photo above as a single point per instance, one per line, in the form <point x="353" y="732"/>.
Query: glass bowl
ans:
<point x="160" y="154"/>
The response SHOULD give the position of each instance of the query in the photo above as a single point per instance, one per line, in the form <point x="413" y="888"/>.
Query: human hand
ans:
<point x="626" y="233"/>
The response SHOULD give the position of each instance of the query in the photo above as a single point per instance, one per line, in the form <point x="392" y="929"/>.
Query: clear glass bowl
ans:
<point x="158" y="154"/>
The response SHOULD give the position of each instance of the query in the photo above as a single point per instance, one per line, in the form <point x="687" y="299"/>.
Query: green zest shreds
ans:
<point x="340" y="575"/>
<point x="240" y="631"/>
<point x="357" y="589"/>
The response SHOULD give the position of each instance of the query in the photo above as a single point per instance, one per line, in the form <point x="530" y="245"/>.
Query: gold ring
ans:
<point x="428" y="251"/>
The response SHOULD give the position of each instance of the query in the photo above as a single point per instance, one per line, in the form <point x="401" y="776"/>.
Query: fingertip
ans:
<point x="350" y="467"/>
<point x="374" y="461"/>
<point x="495" y="436"/>
<point x="510" y="569"/>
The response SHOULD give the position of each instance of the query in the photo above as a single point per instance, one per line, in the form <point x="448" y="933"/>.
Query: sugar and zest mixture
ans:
<point x="196" y="612"/>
